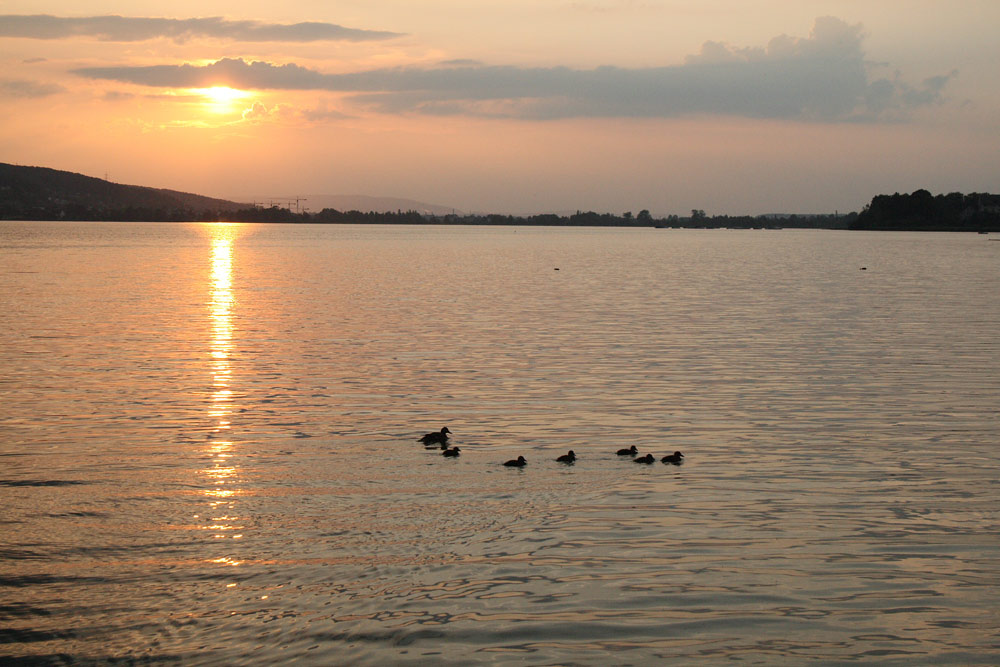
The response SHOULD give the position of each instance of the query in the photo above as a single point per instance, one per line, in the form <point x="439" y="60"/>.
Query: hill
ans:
<point x="39" y="193"/>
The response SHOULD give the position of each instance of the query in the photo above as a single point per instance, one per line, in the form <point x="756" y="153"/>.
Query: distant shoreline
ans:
<point x="515" y="224"/>
<point x="847" y="222"/>
<point x="39" y="193"/>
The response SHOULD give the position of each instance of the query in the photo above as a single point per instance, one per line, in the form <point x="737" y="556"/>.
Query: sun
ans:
<point x="221" y="99"/>
<point x="223" y="94"/>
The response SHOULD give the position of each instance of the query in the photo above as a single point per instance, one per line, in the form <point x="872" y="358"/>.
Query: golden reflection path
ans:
<point x="223" y="473"/>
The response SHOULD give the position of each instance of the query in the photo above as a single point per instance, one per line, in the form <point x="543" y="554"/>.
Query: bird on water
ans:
<point x="631" y="451"/>
<point x="568" y="457"/>
<point x="676" y="458"/>
<point x="519" y="462"/>
<point x="436" y="438"/>
<point x="454" y="451"/>
<point x="648" y="458"/>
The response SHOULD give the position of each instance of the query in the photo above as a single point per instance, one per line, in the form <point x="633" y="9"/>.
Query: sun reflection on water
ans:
<point x="221" y="306"/>
<point x="222" y="472"/>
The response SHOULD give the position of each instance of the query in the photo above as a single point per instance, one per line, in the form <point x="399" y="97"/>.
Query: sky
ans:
<point x="512" y="106"/>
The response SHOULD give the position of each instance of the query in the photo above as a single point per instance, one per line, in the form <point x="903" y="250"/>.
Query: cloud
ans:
<point x="28" y="89"/>
<point x="256" y="112"/>
<point x="116" y="96"/>
<point x="460" y="62"/>
<point x="824" y="77"/>
<point x="232" y="72"/>
<point x="323" y="114"/>
<point x="136" y="29"/>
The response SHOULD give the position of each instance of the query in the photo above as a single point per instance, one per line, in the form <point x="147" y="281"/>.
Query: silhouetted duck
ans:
<point x="676" y="458"/>
<point x="631" y="451"/>
<point x="568" y="457"/>
<point x="519" y="462"/>
<point x="648" y="458"/>
<point x="451" y="452"/>
<point x="437" y="438"/>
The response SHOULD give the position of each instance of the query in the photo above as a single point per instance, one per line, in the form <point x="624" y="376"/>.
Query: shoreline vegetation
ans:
<point x="38" y="193"/>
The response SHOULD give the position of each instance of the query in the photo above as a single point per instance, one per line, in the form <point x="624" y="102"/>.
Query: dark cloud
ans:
<point x="228" y="71"/>
<point x="28" y="89"/>
<point x="460" y="62"/>
<point x="323" y="115"/>
<point x="824" y="77"/>
<point x="136" y="29"/>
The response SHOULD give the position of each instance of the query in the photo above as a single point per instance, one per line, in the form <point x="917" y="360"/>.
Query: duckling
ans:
<point x="568" y="457"/>
<point x="676" y="458"/>
<point x="631" y="451"/>
<point x="436" y="438"/>
<point x="519" y="462"/>
<point x="648" y="458"/>
<point x="454" y="451"/>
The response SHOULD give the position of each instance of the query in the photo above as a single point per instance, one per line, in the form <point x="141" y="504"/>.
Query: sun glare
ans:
<point x="221" y="98"/>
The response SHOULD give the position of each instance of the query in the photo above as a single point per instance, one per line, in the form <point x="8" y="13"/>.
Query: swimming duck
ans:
<point x="631" y="451"/>
<point x="519" y="462"/>
<point x="436" y="438"/>
<point x="451" y="452"/>
<point x="568" y="457"/>
<point x="648" y="458"/>
<point x="676" y="458"/>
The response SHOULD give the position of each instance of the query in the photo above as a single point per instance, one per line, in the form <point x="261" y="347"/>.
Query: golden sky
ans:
<point x="520" y="106"/>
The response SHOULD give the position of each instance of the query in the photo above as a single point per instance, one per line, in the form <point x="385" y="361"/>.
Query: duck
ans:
<point x="454" y="451"/>
<point x="435" y="438"/>
<point x="568" y="457"/>
<point x="648" y="458"/>
<point x="676" y="458"/>
<point x="519" y="462"/>
<point x="631" y="451"/>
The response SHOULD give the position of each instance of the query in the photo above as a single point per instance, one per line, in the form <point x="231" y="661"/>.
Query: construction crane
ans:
<point x="287" y="203"/>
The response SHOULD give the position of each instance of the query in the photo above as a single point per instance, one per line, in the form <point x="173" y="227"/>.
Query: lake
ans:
<point x="208" y="441"/>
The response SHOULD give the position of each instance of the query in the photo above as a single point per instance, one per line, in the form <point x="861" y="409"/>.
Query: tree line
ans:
<point x="922" y="211"/>
<point x="919" y="211"/>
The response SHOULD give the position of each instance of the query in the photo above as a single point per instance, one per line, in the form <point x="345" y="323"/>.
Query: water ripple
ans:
<point x="216" y="462"/>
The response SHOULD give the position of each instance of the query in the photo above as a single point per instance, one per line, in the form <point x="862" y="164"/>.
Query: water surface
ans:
<point x="208" y="445"/>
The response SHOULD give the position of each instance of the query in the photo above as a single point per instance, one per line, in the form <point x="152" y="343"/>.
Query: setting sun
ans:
<point x="221" y="98"/>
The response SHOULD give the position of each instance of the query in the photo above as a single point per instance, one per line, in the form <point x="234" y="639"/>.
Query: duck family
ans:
<point x="440" y="439"/>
